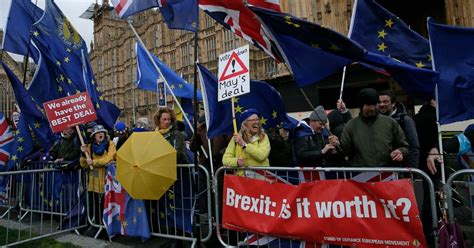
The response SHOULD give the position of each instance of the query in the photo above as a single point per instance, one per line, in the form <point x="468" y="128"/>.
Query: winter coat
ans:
<point x="369" y="142"/>
<point x="176" y="140"/>
<point x="337" y="121"/>
<point x="409" y="129"/>
<point x="255" y="154"/>
<point x="427" y="129"/>
<point x="308" y="147"/>
<point x="99" y="162"/>
<point x="67" y="149"/>
<point x="280" y="154"/>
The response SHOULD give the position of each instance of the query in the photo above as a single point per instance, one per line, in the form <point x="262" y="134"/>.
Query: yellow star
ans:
<point x="14" y="157"/>
<point x="389" y="23"/>
<point x="382" y="34"/>
<point x="124" y="224"/>
<point x="92" y="81"/>
<point x="60" y="89"/>
<point x="78" y="91"/>
<point x="274" y="114"/>
<point x="236" y="99"/>
<point x="429" y="57"/>
<point x="382" y="47"/>
<point x="420" y="64"/>
<point x="172" y="207"/>
<point x="58" y="62"/>
<point x="69" y="81"/>
<point x="61" y="77"/>
<point x="180" y="86"/>
<point x="20" y="139"/>
<point x="264" y="121"/>
<point x="172" y="87"/>
<point x="68" y="50"/>
<point x="20" y="148"/>
<point x="134" y="220"/>
<point x="139" y="210"/>
<point x="97" y="106"/>
<point x="101" y="98"/>
<point x="334" y="48"/>
<point x="36" y="33"/>
<point x="17" y="132"/>
<point x="171" y="195"/>
<point x="117" y="217"/>
<point x="37" y="125"/>
<point x="238" y="109"/>
<point x="290" y="22"/>
<point x="162" y="215"/>
<point x="66" y="59"/>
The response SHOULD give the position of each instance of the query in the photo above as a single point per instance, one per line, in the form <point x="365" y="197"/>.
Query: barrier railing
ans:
<point x="44" y="219"/>
<point x="297" y="175"/>
<point x="448" y="189"/>
<point x="171" y="216"/>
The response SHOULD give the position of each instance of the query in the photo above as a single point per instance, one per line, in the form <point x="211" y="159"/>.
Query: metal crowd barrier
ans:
<point x="448" y="189"/>
<point x="297" y="175"/>
<point x="172" y="216"/>
<point x="44" y="219"/>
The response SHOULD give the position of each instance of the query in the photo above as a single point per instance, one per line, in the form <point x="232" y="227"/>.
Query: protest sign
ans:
<point x="341" y="212"/>
<point x="234" y="74"/>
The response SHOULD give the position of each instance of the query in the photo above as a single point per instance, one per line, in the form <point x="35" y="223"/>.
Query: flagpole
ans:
<point x="440" y="136"/>
<point x="161" y="74"/>
<point x="197" y="221"/>
<point x="351" y="26"/>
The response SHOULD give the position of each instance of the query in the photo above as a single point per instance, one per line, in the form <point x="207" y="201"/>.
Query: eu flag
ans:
<point x="262" y="97"/>
<point x="63" y="52"/>
<point x="31" y="111"/>
<point x="147" y="76"/>
<point x="22" y="145"/>
<point x="178" y="14"/>
<point x="453" y="56"/>
<point x="312" y="52"/>
<point x="380" y="31"/>
<point x="17" y="35"/>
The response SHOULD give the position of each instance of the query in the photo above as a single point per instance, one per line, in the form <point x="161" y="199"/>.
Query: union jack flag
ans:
<point x="6" y="139"/>
<point x="235" y="16"/>
<point x="126" y="8"/>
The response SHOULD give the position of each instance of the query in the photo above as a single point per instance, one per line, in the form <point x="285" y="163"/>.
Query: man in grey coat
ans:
<point x="389" y="106"/>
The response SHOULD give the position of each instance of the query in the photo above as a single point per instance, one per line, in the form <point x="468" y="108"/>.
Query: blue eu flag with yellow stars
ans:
<point x="147" y="76"/>
<point x="32" y="112"/>
<point x="379" y="31"/>
<point x="453" y="56"/>
<point x="263" y="97"/>
<point x="22" y="144"/>
<point x="312" y="52"/>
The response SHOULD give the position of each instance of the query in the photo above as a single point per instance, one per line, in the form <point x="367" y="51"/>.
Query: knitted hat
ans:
<point x="367" y="96"/>
<point x="247" y="113"/>
<point x="120" y="127"/>
<point x="318" y="114"/>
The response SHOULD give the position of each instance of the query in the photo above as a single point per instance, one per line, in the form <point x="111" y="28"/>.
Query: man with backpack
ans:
<point x="389" y="106"/>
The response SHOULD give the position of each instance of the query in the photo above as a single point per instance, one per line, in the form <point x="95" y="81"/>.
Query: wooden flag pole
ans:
<point x="78" y="131"/>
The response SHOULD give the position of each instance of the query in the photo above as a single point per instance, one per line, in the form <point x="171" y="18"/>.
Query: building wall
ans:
<point x="113" y="55"/>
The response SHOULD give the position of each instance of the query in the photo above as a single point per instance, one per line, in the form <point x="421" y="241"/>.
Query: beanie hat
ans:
<point x="367" y="96"/>
<point x="120" y="127"/>
<point x="318" y="114"/>
<point x="247" y="113"/>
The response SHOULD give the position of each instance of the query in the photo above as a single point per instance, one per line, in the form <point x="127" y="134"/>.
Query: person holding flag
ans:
<point x="250" y="146"/>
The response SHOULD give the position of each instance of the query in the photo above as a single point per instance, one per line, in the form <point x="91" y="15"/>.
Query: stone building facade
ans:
<point x="113" y="55"/>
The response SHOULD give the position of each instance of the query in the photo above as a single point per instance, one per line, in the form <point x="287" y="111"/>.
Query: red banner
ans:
<point x="381" y="214"/>
<point x="69" y="111"/>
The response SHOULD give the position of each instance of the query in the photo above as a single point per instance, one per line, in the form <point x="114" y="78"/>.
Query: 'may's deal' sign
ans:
<point x="69" y="111"/>
<point x="234" y="76"/>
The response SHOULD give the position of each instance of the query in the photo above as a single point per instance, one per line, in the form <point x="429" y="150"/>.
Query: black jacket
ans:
<point x="427" y="129"/>
<point x="409" y="129"/>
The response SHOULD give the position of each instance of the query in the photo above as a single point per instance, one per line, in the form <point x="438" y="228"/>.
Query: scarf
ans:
<point x="164" y="131"/>
<point x="99" y="149"/>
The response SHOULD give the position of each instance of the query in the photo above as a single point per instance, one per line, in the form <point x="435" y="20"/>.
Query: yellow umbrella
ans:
<point x="146" y="165"/>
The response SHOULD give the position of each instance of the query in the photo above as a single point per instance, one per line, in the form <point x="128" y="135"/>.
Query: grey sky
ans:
<point x="71" y="8"/>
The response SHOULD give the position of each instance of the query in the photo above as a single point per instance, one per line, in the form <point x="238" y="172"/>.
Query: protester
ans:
<point x="251" y="146"/>
<point x="142" y="125"/>
<point x="89" y="129"/>
<point x="338" y="118"/>
<point x="280" y="153"/>
<point x="165" y="121"/>
<point x="311" y="147"/>
<point x="120" y="134"/>
<point x="389" y="106"/>
<point x="371" y="139"/>
<point x="67" y="148"/>
<point x="101" y="152"/>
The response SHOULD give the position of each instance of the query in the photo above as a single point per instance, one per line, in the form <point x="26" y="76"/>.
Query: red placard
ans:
<point x="69" y="111"/>
<point x="381" y="214"/>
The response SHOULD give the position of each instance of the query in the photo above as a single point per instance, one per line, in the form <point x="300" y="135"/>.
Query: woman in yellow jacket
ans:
<point x="102" y="152"/>
<point x="251" y="146"/>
